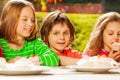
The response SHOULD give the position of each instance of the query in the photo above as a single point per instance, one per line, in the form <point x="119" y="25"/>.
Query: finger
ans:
<point x="113" y="54"/>
<point x="37" y="63"/>
<point x="117" y="58"/>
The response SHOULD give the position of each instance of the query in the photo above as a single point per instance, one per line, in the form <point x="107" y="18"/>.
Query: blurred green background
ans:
<point x="83" y="23"/>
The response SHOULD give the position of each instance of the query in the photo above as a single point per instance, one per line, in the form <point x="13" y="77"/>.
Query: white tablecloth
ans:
<point x="65" y="74"/>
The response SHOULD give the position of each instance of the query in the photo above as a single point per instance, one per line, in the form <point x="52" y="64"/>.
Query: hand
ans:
<point x="35" y="60"/>
<point x="115" y="55"/>
<point x="16" y="59"/>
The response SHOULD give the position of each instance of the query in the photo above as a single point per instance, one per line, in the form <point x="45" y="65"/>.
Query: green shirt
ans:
<point x="37" y="46"/>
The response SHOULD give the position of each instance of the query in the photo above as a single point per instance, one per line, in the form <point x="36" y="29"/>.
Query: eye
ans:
<point x="67" y="33"/>
<point x="24" y="19"/>
<point x="110" y="33"/>
<point x="33" y="20"/>
<point x="56" y="33"/>
<point x="119" y="34"/>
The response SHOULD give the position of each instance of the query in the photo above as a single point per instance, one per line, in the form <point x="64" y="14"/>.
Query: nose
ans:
<point x="30" y="23"/>
<point x="116" y="38"/>
<point x="62" y="37"/>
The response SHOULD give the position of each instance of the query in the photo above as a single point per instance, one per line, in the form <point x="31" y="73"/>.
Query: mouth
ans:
<point x="115" y="42"/>
<point x="28" y="30"/>
<point x="61" y="43"/>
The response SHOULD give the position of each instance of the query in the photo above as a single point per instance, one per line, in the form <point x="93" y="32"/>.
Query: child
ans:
<point x="104" y="35"/>
<point x="18" y="34"/>
<point x="57" y="31"/>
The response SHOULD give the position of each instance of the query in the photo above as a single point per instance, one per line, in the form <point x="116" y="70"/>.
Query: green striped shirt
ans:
<point x="37" y="46"/>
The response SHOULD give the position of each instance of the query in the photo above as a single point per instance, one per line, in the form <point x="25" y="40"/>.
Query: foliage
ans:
<point x="83" y="23"/>
<point x="81" y="1"/>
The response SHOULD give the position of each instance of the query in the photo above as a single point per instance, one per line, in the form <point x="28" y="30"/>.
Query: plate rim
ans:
<point x="90" y="69"/>
<point x="20" y="72"/>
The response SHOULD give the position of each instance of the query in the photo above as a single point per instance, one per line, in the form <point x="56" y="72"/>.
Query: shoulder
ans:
<point x="2" y="40"/>
<point x="35" y="41"/>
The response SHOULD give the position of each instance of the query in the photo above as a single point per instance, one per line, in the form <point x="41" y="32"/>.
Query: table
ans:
<point x="61" y="74"/>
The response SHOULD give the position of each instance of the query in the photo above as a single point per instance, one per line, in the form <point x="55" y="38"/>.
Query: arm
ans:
<point x="67" y="60"/>
<point x="45" y="54"/>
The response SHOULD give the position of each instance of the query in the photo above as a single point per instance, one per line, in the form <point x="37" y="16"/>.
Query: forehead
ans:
<point x="60" y="27"/>
<point x="27" y="12"/>
<point x="113" y="25"/>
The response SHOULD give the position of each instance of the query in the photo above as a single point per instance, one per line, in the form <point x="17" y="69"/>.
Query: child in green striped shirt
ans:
<point x="18" y="34"/>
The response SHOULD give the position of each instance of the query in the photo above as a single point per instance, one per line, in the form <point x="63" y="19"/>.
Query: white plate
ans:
<point x="23" y="71"/>
<point x="93" y="69"/>
<point x="20" y="72"/>
<point x="90" y="69"/>
<point x="59" y="71"/>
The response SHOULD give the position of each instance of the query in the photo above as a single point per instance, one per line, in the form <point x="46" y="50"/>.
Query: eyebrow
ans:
<point x="28" y="16"/>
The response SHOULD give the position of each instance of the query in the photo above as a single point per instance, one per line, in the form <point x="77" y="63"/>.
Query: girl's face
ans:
<point x="59" y="37"/>
<point x="26" y="23"/>
<point x="111" y="34"/>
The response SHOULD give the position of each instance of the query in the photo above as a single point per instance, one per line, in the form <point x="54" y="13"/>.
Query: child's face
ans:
<point x="59" y="37"/>
<point x="111" y="34"/>
<point x="26" y="23"/>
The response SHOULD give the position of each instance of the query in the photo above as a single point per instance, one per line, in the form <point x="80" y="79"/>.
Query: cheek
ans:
<point x="51" y="39"/>
<point x="119" y="40"/>
<point x="107" y="38"/>
<point x="68" y="40"/>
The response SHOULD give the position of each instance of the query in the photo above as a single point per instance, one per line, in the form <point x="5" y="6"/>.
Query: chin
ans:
<point x="61" y="49"/>
<point x="27" y="35"/>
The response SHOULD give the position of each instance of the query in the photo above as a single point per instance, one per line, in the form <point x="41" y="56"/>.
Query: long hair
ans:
<point x="10" y="17"/>
<point x="52" y="19"/>
<point x="95" y="43"/>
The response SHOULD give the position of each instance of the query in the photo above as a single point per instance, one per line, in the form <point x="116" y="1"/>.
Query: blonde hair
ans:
<point x="95" y="43"/>
<point x="10" y="17"/>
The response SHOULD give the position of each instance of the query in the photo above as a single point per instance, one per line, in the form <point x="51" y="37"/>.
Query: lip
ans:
<point x="28" y="30"/>
<point x="114" y="42"/>
<point x="61" y="43"/>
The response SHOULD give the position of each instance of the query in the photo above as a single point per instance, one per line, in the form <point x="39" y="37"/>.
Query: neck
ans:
<point x="21" y="41"/>
<point x="57" y="51"/>
<point x="17" y="46"/>
<point x="106" y="48"/>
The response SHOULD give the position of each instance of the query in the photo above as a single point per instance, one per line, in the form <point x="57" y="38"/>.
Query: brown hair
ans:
<point x="10" y="17"/>
<point x="52" y="19"/>
<point x="95" y="43"/>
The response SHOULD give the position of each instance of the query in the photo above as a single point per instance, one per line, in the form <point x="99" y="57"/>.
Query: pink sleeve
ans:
<point x="0" y="52"/>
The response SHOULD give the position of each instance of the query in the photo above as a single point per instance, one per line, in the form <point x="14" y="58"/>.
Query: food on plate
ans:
<point x="2" y="60"/>
<point x="20" y="64"/>
<point x="96" y="62"/>
<point x="116" y="46"/>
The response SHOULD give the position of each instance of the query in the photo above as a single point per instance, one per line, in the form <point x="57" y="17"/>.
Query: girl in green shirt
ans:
<point x="18" y="34"/>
